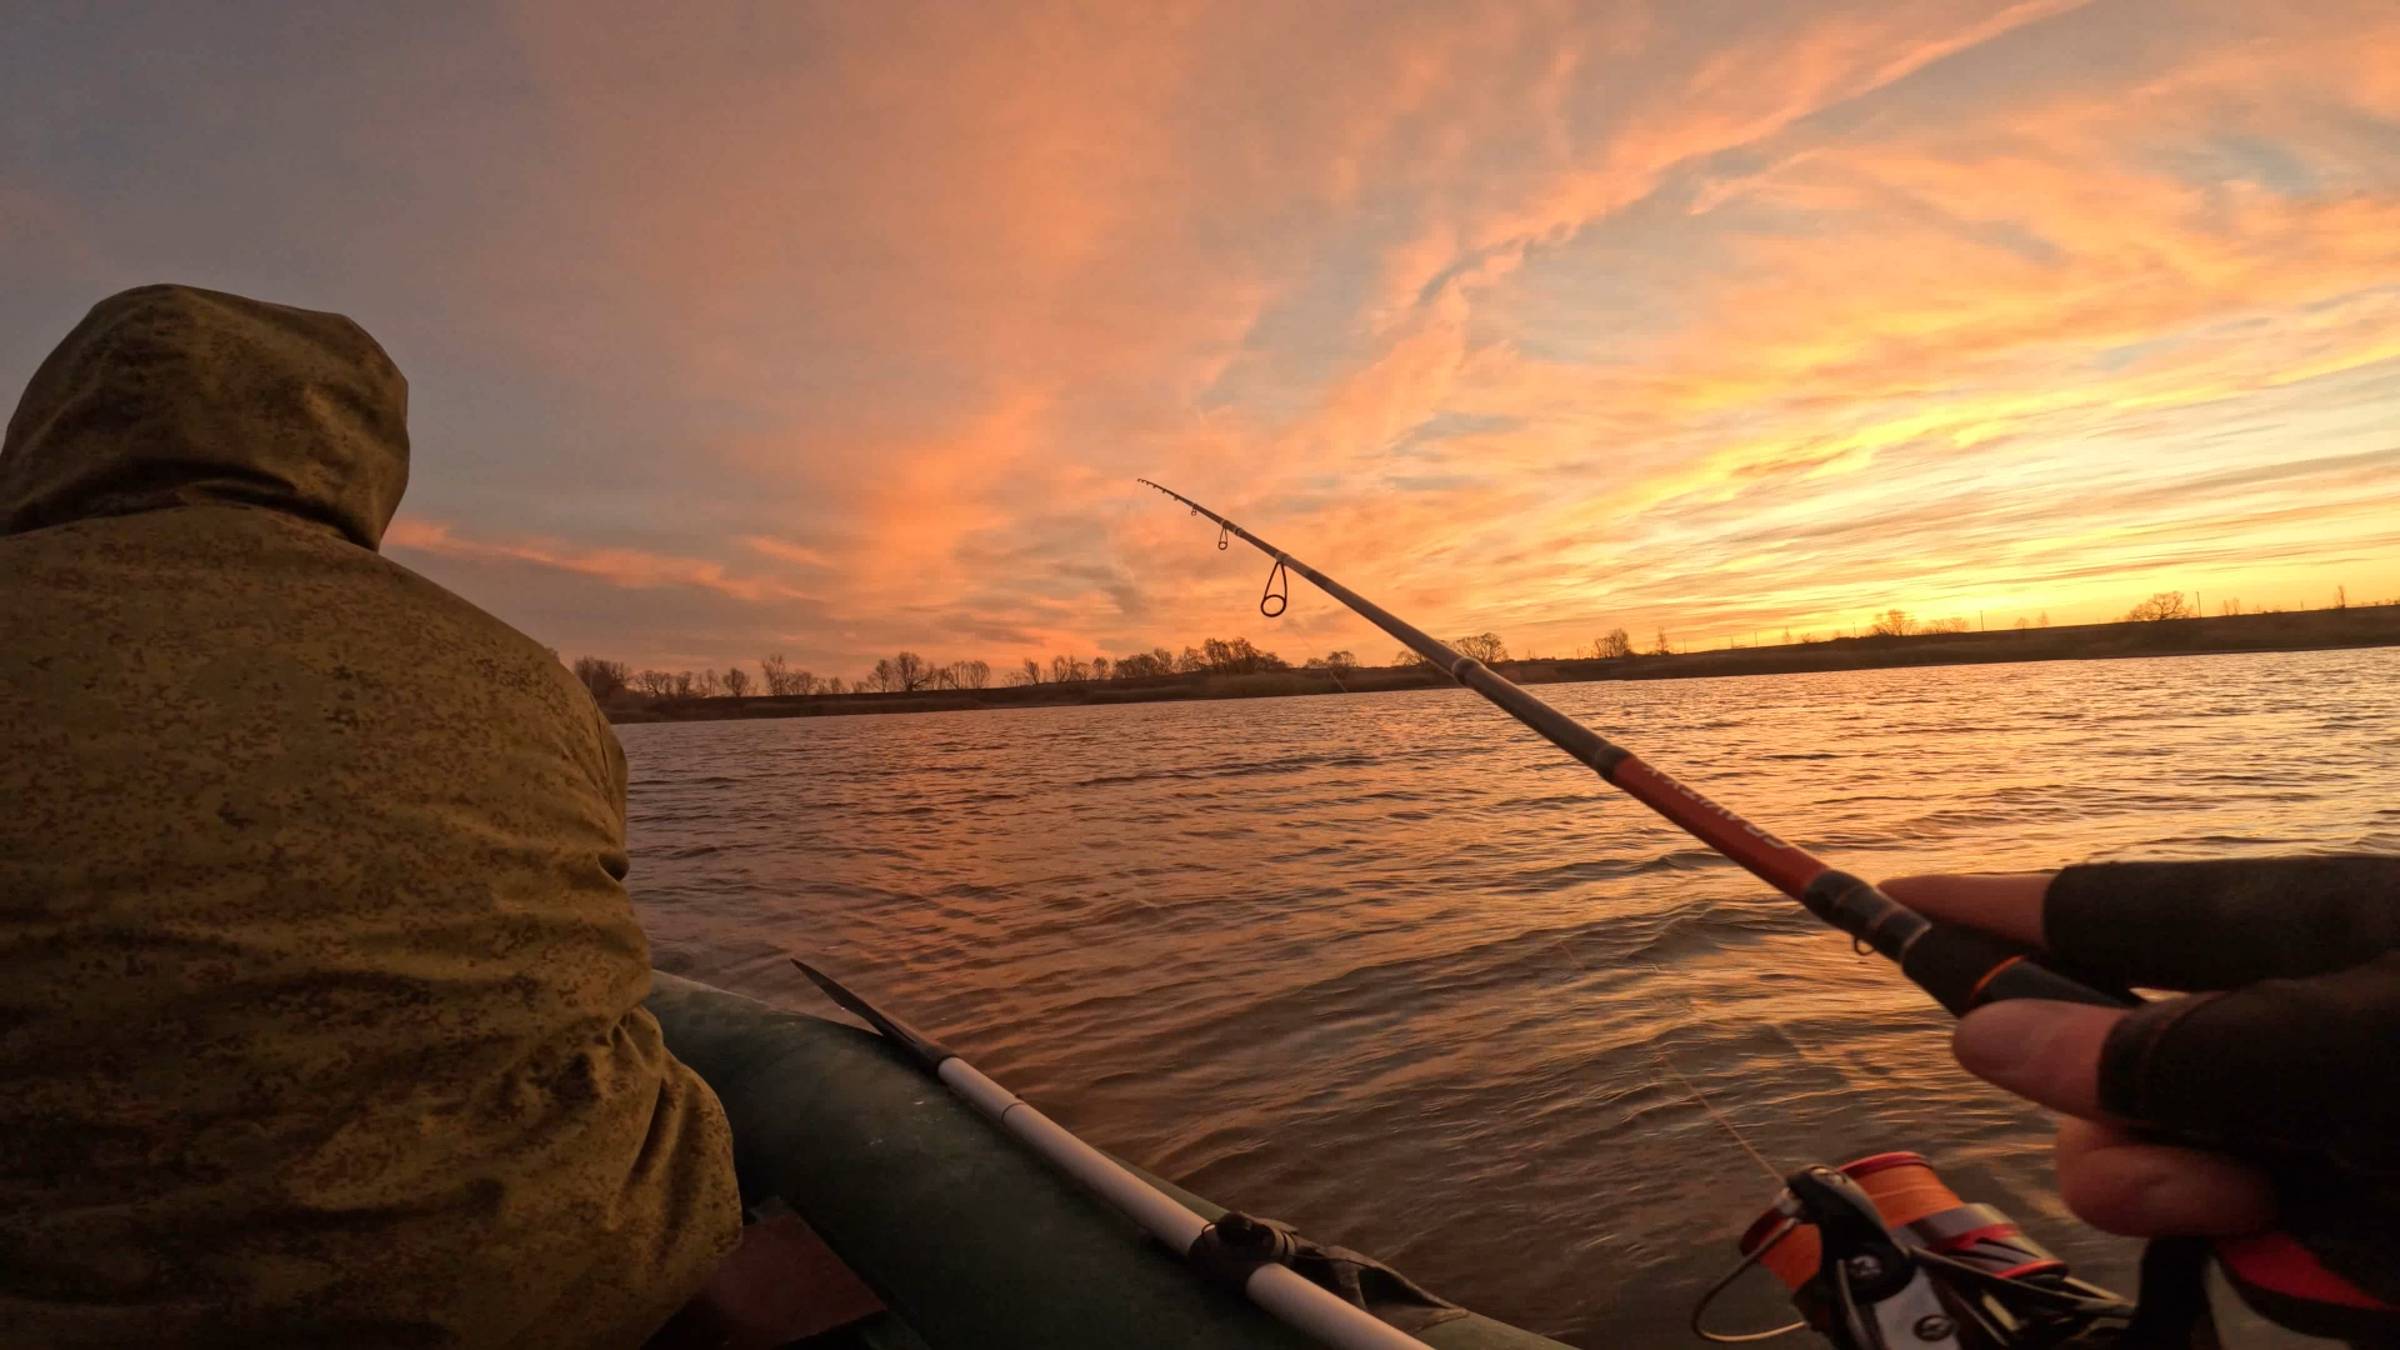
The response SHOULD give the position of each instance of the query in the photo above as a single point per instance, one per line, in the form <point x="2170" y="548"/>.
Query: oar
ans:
<point x="1281" y="1291"/>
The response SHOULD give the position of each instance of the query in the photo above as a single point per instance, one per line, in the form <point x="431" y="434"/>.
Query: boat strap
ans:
<point x="1238" y="1244"/>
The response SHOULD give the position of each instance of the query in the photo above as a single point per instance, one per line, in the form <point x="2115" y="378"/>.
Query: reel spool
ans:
<point x="1880" y="1254"/>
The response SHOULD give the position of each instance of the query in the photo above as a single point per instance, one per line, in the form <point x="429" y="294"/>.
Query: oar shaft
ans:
<point x="1165" y="1218"/>
<point x="1279" y="1290"/>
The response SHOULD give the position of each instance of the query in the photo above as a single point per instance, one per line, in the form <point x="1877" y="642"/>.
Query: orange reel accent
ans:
<point x="1903" y="1187"/>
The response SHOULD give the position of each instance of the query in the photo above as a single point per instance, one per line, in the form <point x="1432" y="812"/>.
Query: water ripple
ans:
<point x="1391" y="969"/>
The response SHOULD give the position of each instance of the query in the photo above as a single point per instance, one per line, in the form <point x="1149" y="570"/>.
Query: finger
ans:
<point x="2120" y="1182"/>
<point x="2006" y="904"/>
<point x="2045" y="1052"/>
<point x="2224" y="923"/>
<point x="2284" y="1061"/>
<point x="2307" y="1062"/>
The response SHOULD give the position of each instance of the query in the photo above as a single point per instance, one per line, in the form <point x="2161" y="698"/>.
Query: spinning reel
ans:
<point x="1880" y="1254"/>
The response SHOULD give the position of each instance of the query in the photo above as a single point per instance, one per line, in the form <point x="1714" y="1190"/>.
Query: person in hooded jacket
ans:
<point x="320" y="994"/>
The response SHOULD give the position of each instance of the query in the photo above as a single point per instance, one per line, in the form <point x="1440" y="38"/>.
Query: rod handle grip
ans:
<point x="1965" y="969"/>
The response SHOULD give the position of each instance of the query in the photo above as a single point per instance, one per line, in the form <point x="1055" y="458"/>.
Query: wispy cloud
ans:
<point x="632" y="569"/>
<point x="784" y="550"/>
<point x="842" y="328"/>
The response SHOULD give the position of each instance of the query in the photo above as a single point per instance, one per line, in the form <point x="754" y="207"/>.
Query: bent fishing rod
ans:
<point x="1962" y="968"/>
<point x="1245" y="1253"/>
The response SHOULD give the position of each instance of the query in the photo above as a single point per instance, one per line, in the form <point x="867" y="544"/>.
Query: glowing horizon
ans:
<point x="836" y="330"/>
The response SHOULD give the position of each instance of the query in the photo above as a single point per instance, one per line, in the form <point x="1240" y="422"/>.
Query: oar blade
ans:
<point x="917" y="1043"/>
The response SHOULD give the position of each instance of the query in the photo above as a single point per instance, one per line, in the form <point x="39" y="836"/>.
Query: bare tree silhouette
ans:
<point x="781" y="679"/>
<point x="1484" y="647"/>
<point x="1146" y="665"/>
<point x="2161" y="606"/>
<point x="605" y="679"/>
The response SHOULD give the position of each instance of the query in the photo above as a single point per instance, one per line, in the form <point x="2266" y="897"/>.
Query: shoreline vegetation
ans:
<point x="2188" y="635"/>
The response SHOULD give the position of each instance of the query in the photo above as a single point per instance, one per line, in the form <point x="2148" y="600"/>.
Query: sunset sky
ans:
<point x="835" y="329"/>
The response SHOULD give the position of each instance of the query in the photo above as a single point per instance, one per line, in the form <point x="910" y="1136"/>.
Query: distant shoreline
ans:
<point x="2307" y="630"/>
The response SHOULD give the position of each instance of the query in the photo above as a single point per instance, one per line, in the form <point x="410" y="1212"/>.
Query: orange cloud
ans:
<point x="845" y="328"/>
<point x="784" y="550"/>
<point x="633" y="569"/>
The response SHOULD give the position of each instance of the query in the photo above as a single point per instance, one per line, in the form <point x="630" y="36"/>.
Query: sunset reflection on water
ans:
<point x="1393" y="969"/>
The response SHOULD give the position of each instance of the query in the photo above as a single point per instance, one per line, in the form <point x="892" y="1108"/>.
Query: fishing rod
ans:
<point x="1962" y="968"/>
<point x="1243" y="1251"/>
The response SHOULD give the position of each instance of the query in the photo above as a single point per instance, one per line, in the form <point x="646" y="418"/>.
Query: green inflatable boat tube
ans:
<point x="972" y="1241"/>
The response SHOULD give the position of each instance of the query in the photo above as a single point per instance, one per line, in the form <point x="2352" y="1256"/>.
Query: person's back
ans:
<point x="319" y="991"/>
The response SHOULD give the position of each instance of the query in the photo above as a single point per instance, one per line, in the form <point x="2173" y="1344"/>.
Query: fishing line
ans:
<point x="1701" y="1098"/>
<point x="1753" y="1257"/>
<point x="1691" y="1089"/>
<point x="1718" y="1116"/>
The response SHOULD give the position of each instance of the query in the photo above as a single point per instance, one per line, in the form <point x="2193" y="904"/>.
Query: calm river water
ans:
<point x="1389" y="967"/>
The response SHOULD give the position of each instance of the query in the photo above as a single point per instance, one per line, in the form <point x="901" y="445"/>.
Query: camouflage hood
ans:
<point x="320" y="993"/>
<point x="169" y="396"/>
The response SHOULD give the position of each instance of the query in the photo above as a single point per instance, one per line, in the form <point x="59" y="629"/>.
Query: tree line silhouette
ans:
<point x="907" y="672"/>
